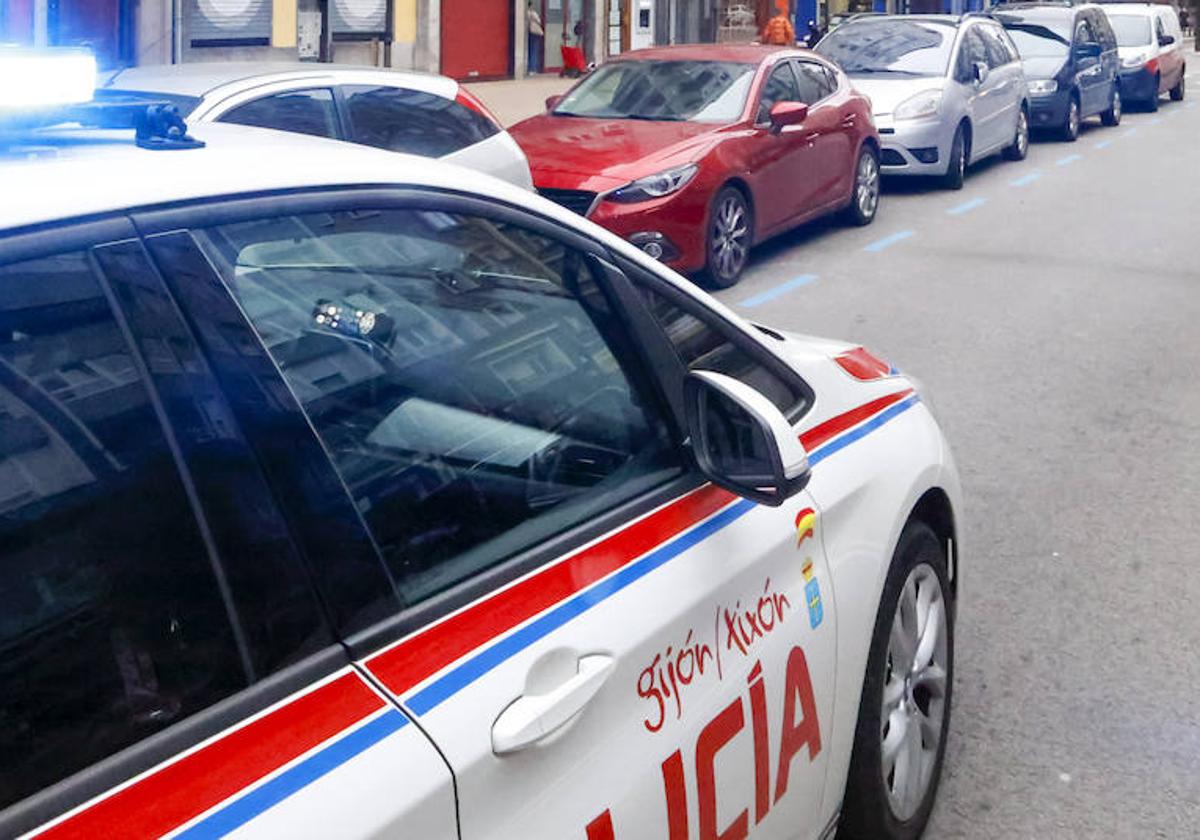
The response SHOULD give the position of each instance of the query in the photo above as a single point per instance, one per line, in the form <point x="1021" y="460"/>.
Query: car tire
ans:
<point x="728" y="238"/>
<point x="1178" y="91"/>
<point x="864" y="196"/>
<point x="1070" y="128"/>
<point x="1112" y="116"/>
<point x="956" y="167"/>
<point x="878" y="805"/>
<point x="1152" y="102"/>
<point x="1020" y="144"/>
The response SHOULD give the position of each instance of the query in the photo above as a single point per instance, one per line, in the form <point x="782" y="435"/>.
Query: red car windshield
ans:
<point x="700" y="91"/>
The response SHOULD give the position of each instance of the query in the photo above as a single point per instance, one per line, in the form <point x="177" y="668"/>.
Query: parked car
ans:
<point x="426" y="115"/>
<point x="1071" y="64"/>
<point x="947" y="91"/>
<point x="349" y="494"/>
<point x="697" y="153"/>
<point x="1150" y="42"/>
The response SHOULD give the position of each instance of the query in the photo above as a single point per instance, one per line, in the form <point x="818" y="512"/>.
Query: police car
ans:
<point x="347" y="494"/>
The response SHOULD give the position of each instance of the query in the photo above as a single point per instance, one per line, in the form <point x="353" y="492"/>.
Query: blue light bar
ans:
<point x="38" y="79"/>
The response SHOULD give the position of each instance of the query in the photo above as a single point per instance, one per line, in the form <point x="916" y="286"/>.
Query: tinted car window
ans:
<point x="814" y="82"/>
<point x="301" y="111"/>
<point x="704" y="346"/>
<point x="994" y="46"/>
<point x="112" y="622"/>
<point x="402" y="120"/>
<point x="467" y="378"/>
<point x="1102" y="31"/>
<point x="780" y="86"/>
<point x="890" y="45"/>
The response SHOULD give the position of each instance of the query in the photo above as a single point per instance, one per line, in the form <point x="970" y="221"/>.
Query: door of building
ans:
<point x="477" y="39"/>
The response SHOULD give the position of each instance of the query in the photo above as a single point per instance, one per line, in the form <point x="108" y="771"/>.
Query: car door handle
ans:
<point x="848" y="122"/>
<point x="812" y="137"/>
<point x="532" y="717"/>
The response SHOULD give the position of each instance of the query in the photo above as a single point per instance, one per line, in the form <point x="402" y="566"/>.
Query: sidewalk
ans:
<point x="515" y="99"/>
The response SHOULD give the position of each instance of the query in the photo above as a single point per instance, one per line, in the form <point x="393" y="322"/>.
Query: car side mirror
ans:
<point x="1089" y="50"/>
<point x="1166" y="40"/>
<point x="979" y="71"/>
<point x="787" y="113"/>
<point x="552" y="101"/>
<point x="742" y="442"/>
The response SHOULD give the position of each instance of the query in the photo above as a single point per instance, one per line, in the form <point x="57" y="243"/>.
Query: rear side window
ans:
<point x="704" y="346"/>
<point x="468" y="378"/>
<point x="300" y="111"/>
<point x="402" y="120"/>
<point x="113" y="623"/>
<point x="815" y="83"/>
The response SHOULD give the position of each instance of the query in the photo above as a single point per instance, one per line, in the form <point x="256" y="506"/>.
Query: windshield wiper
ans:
<point x="651" y="118"/>
<point x="862" y="70"/>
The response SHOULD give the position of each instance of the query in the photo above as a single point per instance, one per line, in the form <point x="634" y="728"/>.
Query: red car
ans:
<point x="695" y="153"/>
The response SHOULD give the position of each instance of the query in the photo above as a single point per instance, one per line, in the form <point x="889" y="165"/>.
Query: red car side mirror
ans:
<point x="552" y="101"/>
<point x="787" y="113"/>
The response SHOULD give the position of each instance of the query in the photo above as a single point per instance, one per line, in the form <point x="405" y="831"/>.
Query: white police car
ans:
<point x="349" y="494"/>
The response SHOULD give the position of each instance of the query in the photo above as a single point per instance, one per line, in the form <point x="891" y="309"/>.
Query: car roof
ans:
<point x="200" y="79"/>
<point x="1138" y="9"/>
<point x="742" y="53"/>
<point x="1036" y="11"/>
<point x="62" y="174"/>
<point x="872" y="19"/>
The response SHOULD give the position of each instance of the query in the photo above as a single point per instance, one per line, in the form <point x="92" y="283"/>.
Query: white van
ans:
<point x="1150" y="42"/>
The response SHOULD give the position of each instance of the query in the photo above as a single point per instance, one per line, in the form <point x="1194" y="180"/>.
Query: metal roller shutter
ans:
<point x="358" y="16"/>
<point x="229" y="20"/>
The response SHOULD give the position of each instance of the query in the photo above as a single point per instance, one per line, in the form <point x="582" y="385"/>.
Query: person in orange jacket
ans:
<point x="778" y="31"/>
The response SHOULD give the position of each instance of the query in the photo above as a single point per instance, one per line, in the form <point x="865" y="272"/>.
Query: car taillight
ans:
<point x="1152" y="65"/>
<point x="862" y="364"/>
<point x="469" y="100"/>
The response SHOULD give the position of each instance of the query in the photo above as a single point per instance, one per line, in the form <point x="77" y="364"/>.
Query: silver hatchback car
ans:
<point x="946" y="91"/>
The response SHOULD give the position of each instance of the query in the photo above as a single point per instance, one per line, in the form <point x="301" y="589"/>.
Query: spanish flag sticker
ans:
<point x="806" y="520"/>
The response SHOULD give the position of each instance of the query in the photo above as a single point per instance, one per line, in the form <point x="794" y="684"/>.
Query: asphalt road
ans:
<point x="1052" y="311"/>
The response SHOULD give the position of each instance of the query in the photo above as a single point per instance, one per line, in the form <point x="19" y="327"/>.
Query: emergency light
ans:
<point x="36" y="79"/>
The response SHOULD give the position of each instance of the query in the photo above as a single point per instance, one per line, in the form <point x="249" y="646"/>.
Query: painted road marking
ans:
<point x="1130" y="132"/>
<point x="1103" y="144"/>
<point x="1156" y="121"/>
<point x="1025" y="179"/>
<point x="1068" y="159"/>
<point x="778" y="291"/>
<point x="888" y="241"/>
<point x="967" y="206"/>
<point x="1190" y="105"/>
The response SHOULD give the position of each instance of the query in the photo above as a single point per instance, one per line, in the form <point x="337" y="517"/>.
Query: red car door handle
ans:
<point x="848" y="122"/>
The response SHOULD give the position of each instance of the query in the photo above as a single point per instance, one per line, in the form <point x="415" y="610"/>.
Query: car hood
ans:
<point x="603" y="154"/>
<point x="1042" y="68"/>
<point x="885" y="94"/>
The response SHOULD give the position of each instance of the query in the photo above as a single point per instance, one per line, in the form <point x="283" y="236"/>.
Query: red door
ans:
<point x="476" y="38"/>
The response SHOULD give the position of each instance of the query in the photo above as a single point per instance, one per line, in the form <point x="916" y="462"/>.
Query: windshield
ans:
<point x="1131" y="31"/>
<point x="700" y="91"/>
<point x="902" y="47"/>
<point x="1035" y="40"/>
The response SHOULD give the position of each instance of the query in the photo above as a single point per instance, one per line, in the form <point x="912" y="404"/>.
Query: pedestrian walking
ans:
<point x="779" y="31"/>
<point x="537" y="36"/>
<point x="1183" y="19"/>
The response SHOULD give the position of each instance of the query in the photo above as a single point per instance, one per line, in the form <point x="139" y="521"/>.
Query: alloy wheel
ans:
<point x="1072" y="121"/>
<point x="914" y="691"/>
<point x="866" y="185"/>
<point x="730" y="237"/>
<point x="1022" y="134"/>
<point x="1116" y="106"/>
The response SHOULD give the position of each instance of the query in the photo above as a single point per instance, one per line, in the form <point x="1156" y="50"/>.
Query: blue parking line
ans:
<point x="1190" y="105"/>
<point x="1068" y="159"/>
<point x="1156" y="121"/>
<point x="778" y="291"/>
<point x="1025" y="179"/>
<point x="967" y="206"/>
<point x="1130" y="132"/>
<point x="888" y="241"/>
<point x="1103" y="144"/>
